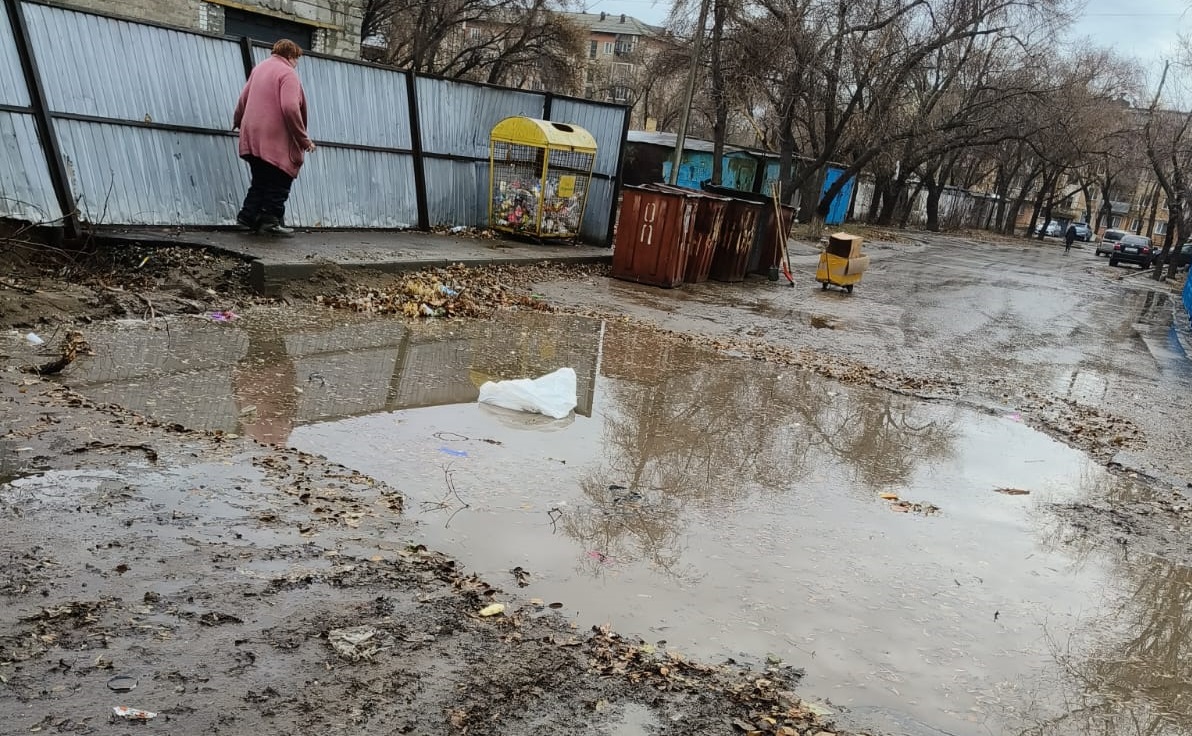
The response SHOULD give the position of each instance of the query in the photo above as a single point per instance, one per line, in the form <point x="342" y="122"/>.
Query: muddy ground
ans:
<point x="252" y="589"/>
<point x="222" y="574"/>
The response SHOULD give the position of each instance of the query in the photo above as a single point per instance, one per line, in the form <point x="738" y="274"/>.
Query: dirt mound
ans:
<point x="46" y="285"/>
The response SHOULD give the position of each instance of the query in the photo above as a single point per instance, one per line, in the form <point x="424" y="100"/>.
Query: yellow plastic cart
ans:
<point x="842" y="263"/>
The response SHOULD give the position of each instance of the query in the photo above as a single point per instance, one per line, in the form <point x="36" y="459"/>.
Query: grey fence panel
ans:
<point x="343" y="187"/>
<point x="143" y="176"/>
<point x="353" y="103"/>
<point x="601" y="206"/>
<point x="456" y="118"/>
<point x="606" y="123"/>
<point x="26" y="192"/>
<point x="104" y="67"/>
<point x="354" y="383"/>
<point x="12" y="80"/>
<point x="129" y="355"/>
<point x="165" y="397"/>
<point x="435" y="373"/>
<point x="457" y="192"/>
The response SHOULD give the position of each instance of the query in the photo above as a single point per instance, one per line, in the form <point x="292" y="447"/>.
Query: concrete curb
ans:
<point x="268" y="274"/>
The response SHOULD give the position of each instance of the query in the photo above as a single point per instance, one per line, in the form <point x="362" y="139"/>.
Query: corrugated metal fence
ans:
<point x="137" y="117"/>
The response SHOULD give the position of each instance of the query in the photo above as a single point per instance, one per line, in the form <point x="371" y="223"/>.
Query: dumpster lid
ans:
<point x="660" y="187"/>
<point x="544" y="133"/>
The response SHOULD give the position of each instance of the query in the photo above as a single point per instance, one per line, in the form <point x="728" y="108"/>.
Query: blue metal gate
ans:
<point x="839" y="209"/>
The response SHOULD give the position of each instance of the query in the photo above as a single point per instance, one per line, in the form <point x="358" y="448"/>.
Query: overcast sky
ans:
<point x="1148" y="29"/>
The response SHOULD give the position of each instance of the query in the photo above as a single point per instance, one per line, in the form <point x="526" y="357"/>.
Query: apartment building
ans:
<point x="617" y="51"/>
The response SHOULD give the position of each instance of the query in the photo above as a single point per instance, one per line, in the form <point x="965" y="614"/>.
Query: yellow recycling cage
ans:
<point x="538" y="177"/>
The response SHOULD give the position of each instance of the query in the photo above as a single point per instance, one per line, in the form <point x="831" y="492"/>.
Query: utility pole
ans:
<point x="692" y="73"/>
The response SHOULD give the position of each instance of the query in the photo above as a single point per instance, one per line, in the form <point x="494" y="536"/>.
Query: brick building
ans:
<point x="327" y="26"/>
<point x="615" y="54"/>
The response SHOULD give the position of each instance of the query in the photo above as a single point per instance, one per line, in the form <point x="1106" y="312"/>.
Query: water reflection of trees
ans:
<point x="687" y="428"/>
<point x="1134" y="675"/>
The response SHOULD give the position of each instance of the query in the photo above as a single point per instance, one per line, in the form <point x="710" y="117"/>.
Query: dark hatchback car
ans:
<point x="1182" y="255"/>
<point x="1132" y="249"/>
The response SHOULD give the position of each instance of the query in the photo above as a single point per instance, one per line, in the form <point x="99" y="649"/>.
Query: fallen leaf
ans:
<point x="888" y="496"/>
<point x="494" y="609"/>
<point x="1012" y="491"/>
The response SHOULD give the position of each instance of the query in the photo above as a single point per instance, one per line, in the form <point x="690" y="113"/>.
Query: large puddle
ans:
<point x="726" y="507"/>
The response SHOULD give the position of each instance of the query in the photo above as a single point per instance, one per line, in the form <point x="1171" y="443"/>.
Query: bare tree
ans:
<point x="514" y="42"/>
<point x="1167" y="135"/>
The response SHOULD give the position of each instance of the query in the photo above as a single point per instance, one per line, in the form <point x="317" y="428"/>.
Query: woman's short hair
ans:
<point x="287" y="49"/>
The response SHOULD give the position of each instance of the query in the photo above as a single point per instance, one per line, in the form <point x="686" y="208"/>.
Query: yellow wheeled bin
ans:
<point x="842" y="263"/>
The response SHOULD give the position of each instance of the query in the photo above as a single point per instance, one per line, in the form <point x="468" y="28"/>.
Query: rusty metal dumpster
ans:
<point x="710" y="210"/>
<point x="765" y="251"/>
<point x="652" y="236"/>
<point x="730" y="261"/>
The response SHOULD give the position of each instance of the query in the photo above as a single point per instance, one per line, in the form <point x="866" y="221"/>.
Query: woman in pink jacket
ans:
<point x="271" y="116"/>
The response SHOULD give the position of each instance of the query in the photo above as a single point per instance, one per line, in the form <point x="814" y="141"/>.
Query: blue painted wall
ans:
<point x="737" y="170"/>
<point x="839" y="210"/>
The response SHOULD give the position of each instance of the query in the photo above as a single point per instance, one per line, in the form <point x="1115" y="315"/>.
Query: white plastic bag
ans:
<point x="552" y="394"/>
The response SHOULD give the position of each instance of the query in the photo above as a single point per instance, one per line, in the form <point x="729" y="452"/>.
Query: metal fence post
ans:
<point x="619" y="179"/>
<point x="43" y="120"/>
<point x="416" y="147"/>
<point x="246" y="54"/>
<point x="547" y="105"/>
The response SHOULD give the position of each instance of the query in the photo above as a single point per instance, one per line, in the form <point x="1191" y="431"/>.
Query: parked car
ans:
<point x="1132" y="249"/>
<point x="1052" y="229"/>
<point x="1111" y="237"/>
<point x="1181" y="254"/>
<point x="1084" y="233"/>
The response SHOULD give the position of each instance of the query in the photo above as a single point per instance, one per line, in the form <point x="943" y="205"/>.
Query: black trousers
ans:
<point x="265" y="203"/>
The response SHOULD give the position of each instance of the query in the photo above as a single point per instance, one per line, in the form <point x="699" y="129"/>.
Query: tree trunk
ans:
<point x="1034" y="225"/>
<point x="1010" y="224"/>
<point x="875" y="202"/>
<point x="1150" y="228"/>
<point x="719" y="99"/>
<point x="1049" y="203"/>
<point x="809" y="197"/>
<point x="907" y="205"/>
<point x="1175" y="224"/>
<point x="935" y="191"/>
<point x="852" y="202"/>
<point x="1001" y="188"/>
<point x="893" y="192"/>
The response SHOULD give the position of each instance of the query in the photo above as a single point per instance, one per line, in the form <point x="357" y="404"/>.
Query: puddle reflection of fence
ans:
<point x="231" y="378"/>
<point x="10" y="462"/>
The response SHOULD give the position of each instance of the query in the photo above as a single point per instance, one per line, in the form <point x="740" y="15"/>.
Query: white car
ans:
<point x="1052" y="229"/>
<point x="1108" y="240"/>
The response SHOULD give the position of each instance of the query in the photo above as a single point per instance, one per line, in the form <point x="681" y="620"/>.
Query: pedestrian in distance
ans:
<point x="271" y="118"/>
<point x="1069" y="238"/>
